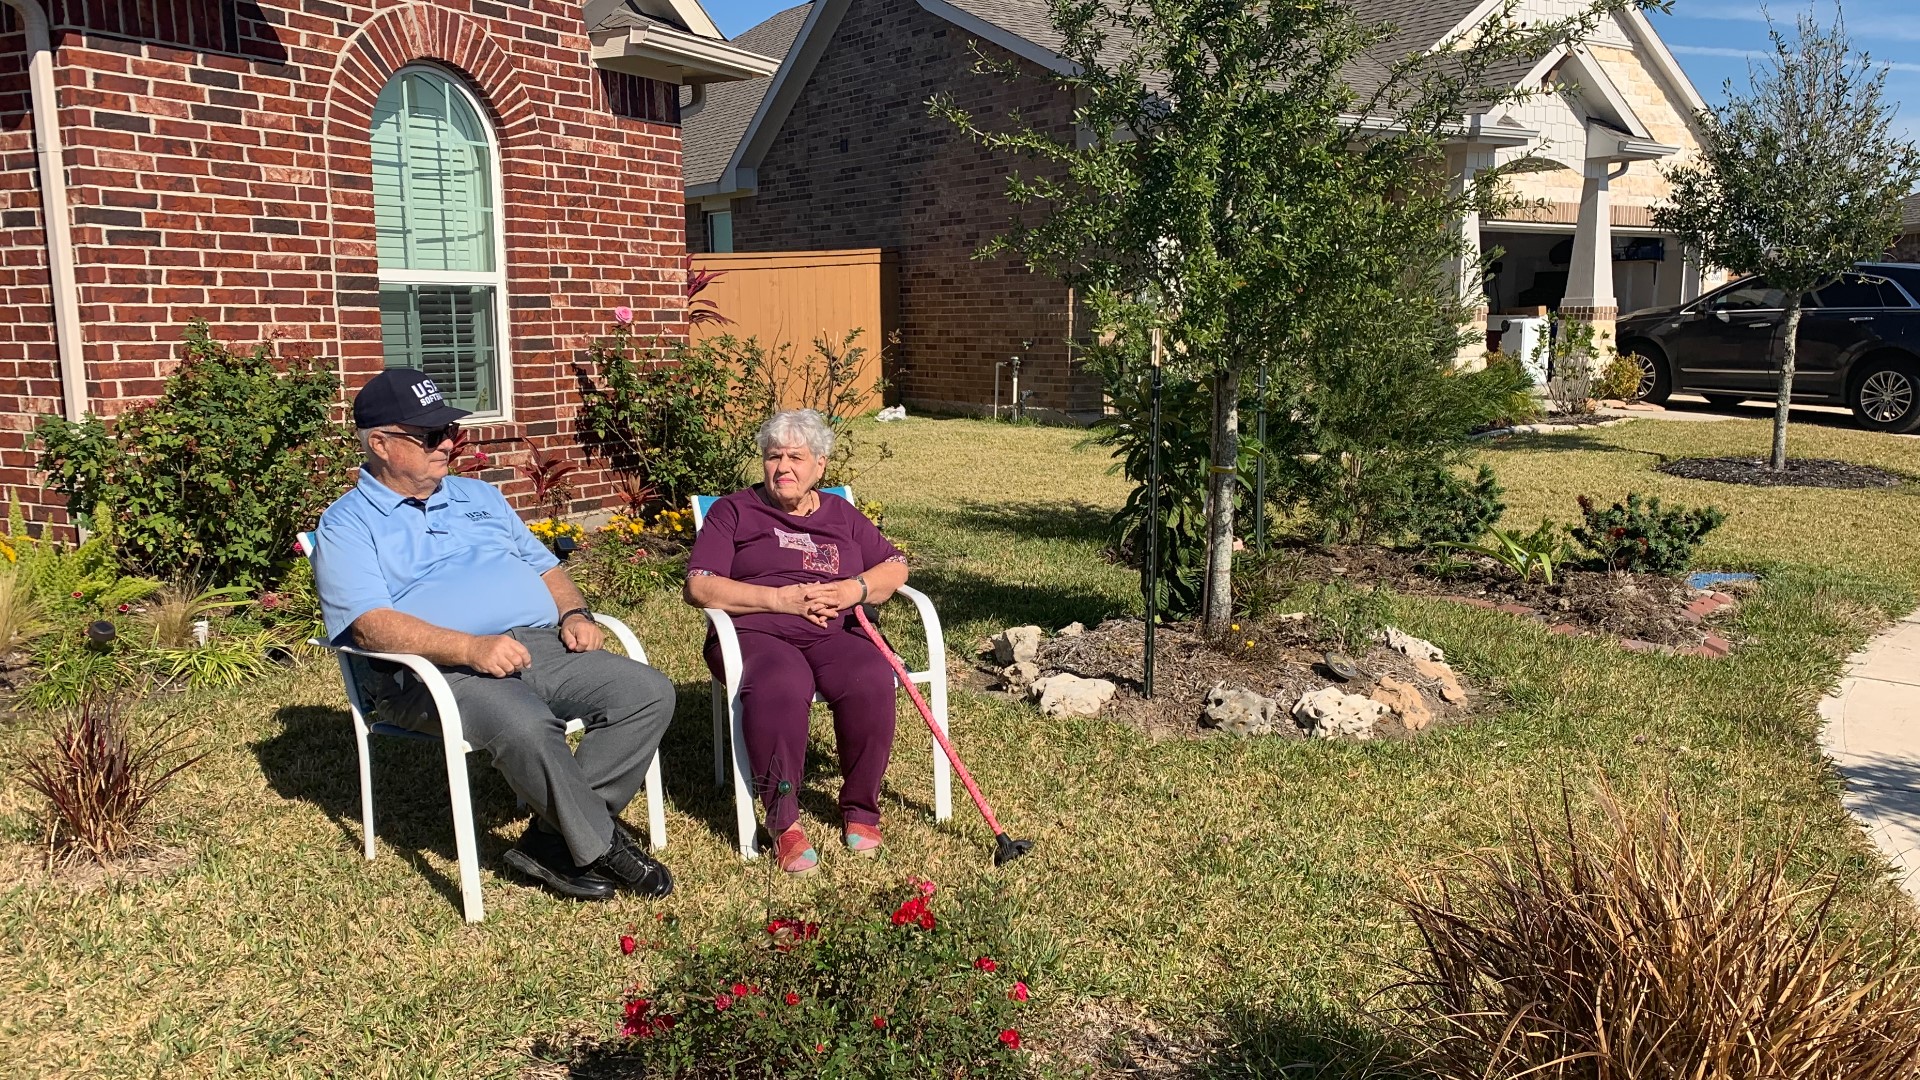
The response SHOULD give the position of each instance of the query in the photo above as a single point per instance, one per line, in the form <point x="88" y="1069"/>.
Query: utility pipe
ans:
<point x="61" y="284"/>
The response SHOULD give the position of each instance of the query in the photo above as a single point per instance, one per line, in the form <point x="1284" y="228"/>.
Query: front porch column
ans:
<point x="1589" y="295"/>
<point x="1468" y="272"/>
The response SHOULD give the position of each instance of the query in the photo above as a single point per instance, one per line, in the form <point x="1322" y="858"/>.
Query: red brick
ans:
<point x="199" y="180"/>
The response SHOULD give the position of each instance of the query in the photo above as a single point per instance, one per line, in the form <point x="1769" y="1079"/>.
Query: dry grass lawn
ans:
<point x="1235" y="895"/>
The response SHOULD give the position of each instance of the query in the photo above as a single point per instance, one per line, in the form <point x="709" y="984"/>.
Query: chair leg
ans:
<point x="719" y="734"/>
<point x="366" y="760"/>
<point x="463" y="841"/>
<point x="743" y="809"/>
<point x="656" y="806"/>
<point x="942" y="768"/>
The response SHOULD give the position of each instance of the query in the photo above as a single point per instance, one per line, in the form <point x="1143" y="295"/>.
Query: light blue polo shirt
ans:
<point x="461" y="559"/>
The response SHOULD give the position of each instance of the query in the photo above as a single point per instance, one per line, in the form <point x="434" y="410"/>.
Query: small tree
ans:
<point x="1228" y="184"/>
<point x="1797" y="180"/>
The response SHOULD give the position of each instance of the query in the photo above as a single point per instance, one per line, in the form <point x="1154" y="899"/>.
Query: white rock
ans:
<point x="1407" y="645"/>
<point x="1072" y="629"/>
<point x="1019" y="645"/>
<point x="1328" y="712"/>
<point x="1017" y="677"/>
<point x="1071" y="695"/>
<point x="891" y="413"/>
<point x="1240" y="712"/>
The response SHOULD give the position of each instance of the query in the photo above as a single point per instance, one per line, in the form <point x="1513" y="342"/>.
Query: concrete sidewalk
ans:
<point x="1872" y="733"/>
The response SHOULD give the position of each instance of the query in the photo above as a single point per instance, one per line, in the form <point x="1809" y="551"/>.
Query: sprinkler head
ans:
<point x="1341" y="666"/>
<point x="1007" y="849"/>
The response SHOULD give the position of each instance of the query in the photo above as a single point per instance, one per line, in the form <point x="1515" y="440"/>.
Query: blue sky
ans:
<point x="1711" y="38"/>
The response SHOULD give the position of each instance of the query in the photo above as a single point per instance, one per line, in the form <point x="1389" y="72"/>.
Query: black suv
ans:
<point x="1859" y="345"/>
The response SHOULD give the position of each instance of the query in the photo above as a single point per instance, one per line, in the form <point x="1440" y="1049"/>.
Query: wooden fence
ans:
<point x="787" y="299"/>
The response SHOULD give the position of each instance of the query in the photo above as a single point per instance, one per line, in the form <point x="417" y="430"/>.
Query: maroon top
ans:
<point x="746" y="538"/>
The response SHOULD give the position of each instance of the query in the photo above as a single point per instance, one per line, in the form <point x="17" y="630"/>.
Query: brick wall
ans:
<point x="223" y="172"/>
<point x="1905" y="249"/>
<point x="861" y="163"/>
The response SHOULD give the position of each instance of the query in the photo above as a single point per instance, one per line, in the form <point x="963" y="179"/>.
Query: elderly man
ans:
<point x="415" y="561"/>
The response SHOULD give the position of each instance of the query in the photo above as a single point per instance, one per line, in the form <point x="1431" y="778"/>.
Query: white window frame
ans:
<point x="497" y="280"/>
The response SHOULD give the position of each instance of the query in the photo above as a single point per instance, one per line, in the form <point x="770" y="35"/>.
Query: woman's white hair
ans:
<point x="796" y="427"/>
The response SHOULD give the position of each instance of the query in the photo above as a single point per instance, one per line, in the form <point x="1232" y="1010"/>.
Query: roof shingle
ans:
<point x="709" y="136"/>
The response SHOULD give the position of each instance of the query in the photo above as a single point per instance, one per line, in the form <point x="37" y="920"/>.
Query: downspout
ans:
<point x="61" y="284"/>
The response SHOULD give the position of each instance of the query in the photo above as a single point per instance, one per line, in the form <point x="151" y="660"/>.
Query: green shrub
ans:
<point x="1619" y="380"/>
<point x="212" y="480"/>
<point x="909" y="986"/>
<point x="835" y="379"/>
<point x="1348" y="615"/>
<point x="1387" y="413"/>
<point x="1444" y="508"/>
<point x="681" y="420"/>
<point x="1642" y="535"/>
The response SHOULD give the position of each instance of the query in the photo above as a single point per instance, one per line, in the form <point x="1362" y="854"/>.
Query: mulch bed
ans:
<point x="1639" y="607"/>
<point x="1283" y="663"/>
<point x="1800" y="472"/>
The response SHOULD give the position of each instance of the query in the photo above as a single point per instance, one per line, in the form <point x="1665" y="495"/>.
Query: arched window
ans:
<point x="436" y="199"/>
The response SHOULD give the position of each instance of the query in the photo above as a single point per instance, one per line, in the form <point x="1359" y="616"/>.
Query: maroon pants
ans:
<point x="779" y="674"/>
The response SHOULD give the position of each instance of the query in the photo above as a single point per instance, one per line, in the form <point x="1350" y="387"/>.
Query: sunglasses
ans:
<point x="427" y="439"/>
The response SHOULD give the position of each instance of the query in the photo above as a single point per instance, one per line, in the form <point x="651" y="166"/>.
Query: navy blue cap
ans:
<point x="403" y="396"/>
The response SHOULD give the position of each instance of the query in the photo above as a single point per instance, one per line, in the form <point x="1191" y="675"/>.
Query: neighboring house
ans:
<point x="837" y="150"/>
<point x="1907" y="248"/>
<point x="464" y="186"/>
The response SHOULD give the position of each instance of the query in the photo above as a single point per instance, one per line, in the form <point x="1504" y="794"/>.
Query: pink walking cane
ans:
<point x="1005" y="849"/>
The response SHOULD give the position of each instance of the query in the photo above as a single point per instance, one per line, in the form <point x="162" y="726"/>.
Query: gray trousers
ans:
<point x="521" y="721"/>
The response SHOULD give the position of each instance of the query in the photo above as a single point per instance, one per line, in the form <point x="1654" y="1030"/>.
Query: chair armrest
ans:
<point x="627" y="641"/>
<point x="729" y="644"/>
<point x="936" y="637"/>
<point x="430" y="677"/>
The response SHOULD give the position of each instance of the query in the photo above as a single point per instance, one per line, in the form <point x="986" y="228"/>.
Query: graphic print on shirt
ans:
<point x="817" y="557"/>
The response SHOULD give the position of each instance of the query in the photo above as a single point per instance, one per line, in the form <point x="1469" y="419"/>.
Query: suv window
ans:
<point x="1755" y="295"/>
<point x="1860" y="291"/>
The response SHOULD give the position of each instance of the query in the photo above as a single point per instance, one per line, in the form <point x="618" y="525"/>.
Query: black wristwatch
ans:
<point x="571" y="612"/>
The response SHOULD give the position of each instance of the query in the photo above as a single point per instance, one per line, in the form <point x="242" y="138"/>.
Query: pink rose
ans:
<point x="623" y="315"/>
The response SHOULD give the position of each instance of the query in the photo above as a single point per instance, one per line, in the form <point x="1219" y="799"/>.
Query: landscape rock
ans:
<point x="1409" y="646"/>
<point x="1327" y="713"/>
<point x="1071" y="695"/>
<point x="1406" y="701"/>
<point x="1017" y="677"/>
<point x="1450" y="689"/>
<point x="1240" y="712"/>
<point x="1018" y="645"/>
<point x="1072" y="629"/>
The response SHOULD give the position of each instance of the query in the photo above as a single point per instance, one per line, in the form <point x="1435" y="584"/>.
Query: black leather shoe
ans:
<point x="544" y="858"/>
<point x="628" y="866"/>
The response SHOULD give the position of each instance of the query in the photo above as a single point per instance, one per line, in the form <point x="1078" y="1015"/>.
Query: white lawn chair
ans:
<point x="456" y="745"/>
<point x="726" y="700"/>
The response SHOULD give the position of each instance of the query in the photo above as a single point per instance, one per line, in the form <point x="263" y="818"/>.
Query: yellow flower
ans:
<point x="1249" y="644"/>
<point x="1236" y="626"/>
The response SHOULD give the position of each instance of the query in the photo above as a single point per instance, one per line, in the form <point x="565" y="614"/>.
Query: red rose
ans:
<point x="987" y="964"/>
<point x="1010" y="1038"/>
<point x="1019" y="991"/>
<point x="638" y="1007"/>
<point x="627" y="944"/>
<point x="926" y="920"/>
<point x="741" y="990"/>
<point x="900" y="918"/>
<point x="792" y="998"/>
<point x="722" y="1001"/>
<point x="879" y="1022"/>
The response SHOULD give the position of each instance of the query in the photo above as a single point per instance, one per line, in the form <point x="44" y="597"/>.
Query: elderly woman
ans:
<point x="789" y="565"/>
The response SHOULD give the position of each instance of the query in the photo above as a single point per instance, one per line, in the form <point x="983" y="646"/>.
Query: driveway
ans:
<point x="1693" y="407"/>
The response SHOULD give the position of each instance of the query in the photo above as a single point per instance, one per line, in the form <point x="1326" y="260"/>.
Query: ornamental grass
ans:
<point x="99" y="776"/>
<point x="1623" y="951"/>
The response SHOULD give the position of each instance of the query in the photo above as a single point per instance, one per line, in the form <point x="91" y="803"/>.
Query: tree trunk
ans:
<point x="1791" y="329"/>
<point x="1222" y="480"/>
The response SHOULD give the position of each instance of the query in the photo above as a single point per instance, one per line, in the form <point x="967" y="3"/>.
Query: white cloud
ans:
<point x="1756" y="54"/>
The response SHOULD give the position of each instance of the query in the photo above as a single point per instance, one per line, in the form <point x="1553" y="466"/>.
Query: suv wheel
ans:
<point x="1886" y="397"/>
<point x="1656" y="379"/>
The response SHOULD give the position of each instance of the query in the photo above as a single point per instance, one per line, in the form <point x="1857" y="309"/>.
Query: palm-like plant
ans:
<point x="702" y="312"/>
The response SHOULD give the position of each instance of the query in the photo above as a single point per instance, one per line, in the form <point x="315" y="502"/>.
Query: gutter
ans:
<point x="61" y="284"/>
